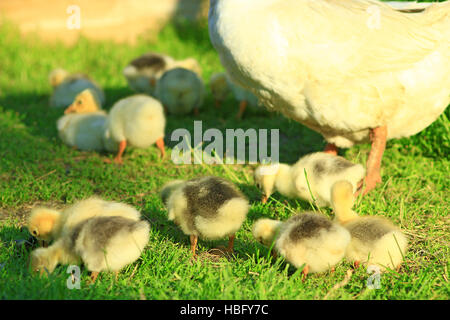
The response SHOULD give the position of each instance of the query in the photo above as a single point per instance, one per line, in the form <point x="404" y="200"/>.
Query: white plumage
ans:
<point x="322" y="171"/>
<point x="342" y="68"/>
<point x="320" y="62"/>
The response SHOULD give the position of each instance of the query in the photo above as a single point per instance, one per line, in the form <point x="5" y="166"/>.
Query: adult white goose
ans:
<point x="354" y="70"/>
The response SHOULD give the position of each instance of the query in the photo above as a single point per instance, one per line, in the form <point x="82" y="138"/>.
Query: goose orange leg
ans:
<point x="242" y="108"/>
<point x="331" y="148"/>
<point x="160" y="145"/>
<point x="122" y="146"/>
<point x="378" y="137"/>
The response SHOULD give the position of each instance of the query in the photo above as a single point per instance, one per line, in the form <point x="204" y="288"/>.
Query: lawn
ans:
<point x="36" y="168"/>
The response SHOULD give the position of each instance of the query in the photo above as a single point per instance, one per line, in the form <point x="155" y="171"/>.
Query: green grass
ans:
<point x="36" y="168"/>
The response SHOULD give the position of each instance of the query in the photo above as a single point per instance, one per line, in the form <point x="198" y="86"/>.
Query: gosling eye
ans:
<point x="79" y="101"/>
<point x="35" y="233"/>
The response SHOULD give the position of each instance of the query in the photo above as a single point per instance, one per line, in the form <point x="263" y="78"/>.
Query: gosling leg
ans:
<point x="274" y="254"/>
<point x="122" y="146"/>
<point x="160" y="145"/>
<point x="94" y="275"/>
<point x="231" y="243"/>
<point x="264" y="198"/>
<point x="305" y="272"/>
<point x="242" y="107"/>
<point x="194" y="240"/>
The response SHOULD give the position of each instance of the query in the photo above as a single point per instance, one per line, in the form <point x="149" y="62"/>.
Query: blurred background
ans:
<point x="119" y="20"/>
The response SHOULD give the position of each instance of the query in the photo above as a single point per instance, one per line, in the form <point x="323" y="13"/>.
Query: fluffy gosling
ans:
<point x="67" y="86"/>
<point x="83" y="124"/>
<point x="47" y="224"/>
<point x="322" y="171"/>
<point x="101" y="243"/>
<point x="207" y="208"/>
<point x="181" y="91"/>
<point x="83" y="231"/>
<point x="143" y="72"/>
<point x="308" y="239"/>
<point x="138" y="121"/>
<point x="220" y="85"/>
<point x="375" y="240"/>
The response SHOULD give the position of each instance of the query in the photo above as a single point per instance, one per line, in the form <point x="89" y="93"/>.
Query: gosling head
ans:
<point x="265" y="177"/>
<point x="57" y="76"/>
<point x="265" y="230"/>
<point x="86" y="101"/>
<point x="42" y="222"/>
<point x="168" y="189"/>
<point x="342" y="201"/>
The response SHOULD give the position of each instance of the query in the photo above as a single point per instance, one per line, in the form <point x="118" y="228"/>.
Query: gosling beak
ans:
<point x="264" y="198"/>
<point x="69" y="109"/>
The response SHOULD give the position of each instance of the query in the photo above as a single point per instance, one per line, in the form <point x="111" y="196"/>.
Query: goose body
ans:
<point x="321" y="63"/>
<point x="354" y="71"/>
